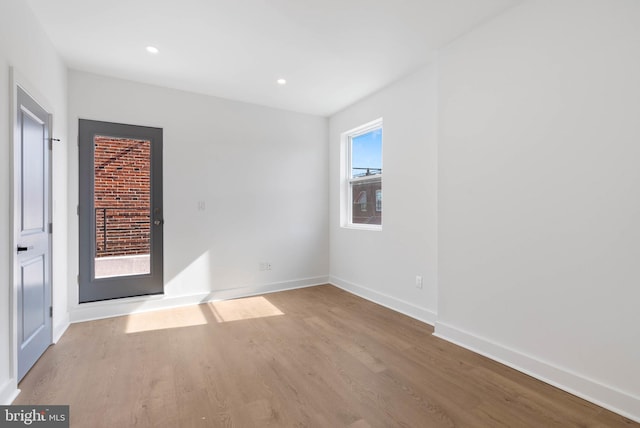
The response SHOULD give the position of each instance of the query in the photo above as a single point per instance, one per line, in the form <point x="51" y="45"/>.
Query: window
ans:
<point x="362" y="180"/>
<point x="362" y="200"/>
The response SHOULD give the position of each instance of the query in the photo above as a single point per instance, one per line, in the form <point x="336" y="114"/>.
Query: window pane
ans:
<point x="366" y="154"/>
<point x="122" y="173"/>
<point x="367" y="202"/>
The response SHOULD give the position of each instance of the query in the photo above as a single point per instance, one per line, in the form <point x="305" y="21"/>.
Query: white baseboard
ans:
<point x="119" y="307"/>
<point x="8" y="392"/>
<point x="60" y="328"/>
<point x="385" y="300"/>
<point x="605" y="396"/>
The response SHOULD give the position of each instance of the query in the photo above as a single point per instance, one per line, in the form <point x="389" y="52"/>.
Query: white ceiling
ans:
<point x="332" y="52"/>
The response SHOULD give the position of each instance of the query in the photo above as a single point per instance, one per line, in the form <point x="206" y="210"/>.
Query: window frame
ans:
<point x="348" y="181"/>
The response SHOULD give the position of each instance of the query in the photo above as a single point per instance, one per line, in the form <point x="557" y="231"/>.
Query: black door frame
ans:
<point x="95" y="289"/>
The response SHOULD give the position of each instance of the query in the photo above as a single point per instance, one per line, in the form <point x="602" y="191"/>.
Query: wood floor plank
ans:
<point x="313" y="357"/>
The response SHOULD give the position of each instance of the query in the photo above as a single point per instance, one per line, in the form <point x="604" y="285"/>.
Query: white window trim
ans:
<point x="346" y="200"/>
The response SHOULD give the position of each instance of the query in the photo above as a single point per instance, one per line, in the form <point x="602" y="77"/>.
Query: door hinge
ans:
<point x="50" y="227"/>
<point x="78" y="279"/>
<point x="50" y="311"/>
<point x="51" y="140"/>
<point x="78" y="210"/>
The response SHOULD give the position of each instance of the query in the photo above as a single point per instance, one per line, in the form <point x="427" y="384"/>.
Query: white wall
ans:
<point x="261" y="172"/>
<point x="24" y="46"/>
<point x="538" y="233"/>
<point x="382" y="265"/>
<point x="539" y="226"/>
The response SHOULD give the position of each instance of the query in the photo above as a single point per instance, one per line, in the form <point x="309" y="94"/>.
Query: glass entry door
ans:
<point x="120" y="210"/>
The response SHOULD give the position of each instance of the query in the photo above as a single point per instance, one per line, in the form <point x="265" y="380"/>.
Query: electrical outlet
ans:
<point x="418" y="281"/>
<point x="265" y="266"/>
<point x="201" y="206"/>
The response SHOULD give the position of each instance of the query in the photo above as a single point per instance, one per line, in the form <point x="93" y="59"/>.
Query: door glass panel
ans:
<point x="122" y="205"/>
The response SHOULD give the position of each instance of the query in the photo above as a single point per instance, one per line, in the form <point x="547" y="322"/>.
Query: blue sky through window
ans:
<point x="366" y="152"/>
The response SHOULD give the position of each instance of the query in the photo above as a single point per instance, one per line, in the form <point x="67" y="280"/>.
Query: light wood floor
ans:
<point x="316" y="357"/>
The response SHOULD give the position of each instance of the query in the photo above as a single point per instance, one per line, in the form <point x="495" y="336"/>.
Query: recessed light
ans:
<point x="281" y="81"/>
<point x="152" y="49"/>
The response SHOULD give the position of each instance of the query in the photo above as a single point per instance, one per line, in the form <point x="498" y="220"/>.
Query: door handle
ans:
<point x="22" y="249"/>
<point x="156" y="214"/>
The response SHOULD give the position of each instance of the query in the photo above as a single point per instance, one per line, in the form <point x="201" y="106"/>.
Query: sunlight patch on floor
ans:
<point x="160" y="320"/>
<point x="243" y="309"/>
<point x="196" y="315"/>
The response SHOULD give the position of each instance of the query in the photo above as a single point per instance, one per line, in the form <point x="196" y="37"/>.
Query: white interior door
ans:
<point x="32" y="270"/>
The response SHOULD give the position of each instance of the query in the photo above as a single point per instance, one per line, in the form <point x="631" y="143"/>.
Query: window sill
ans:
<point x="372" y="227"/>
